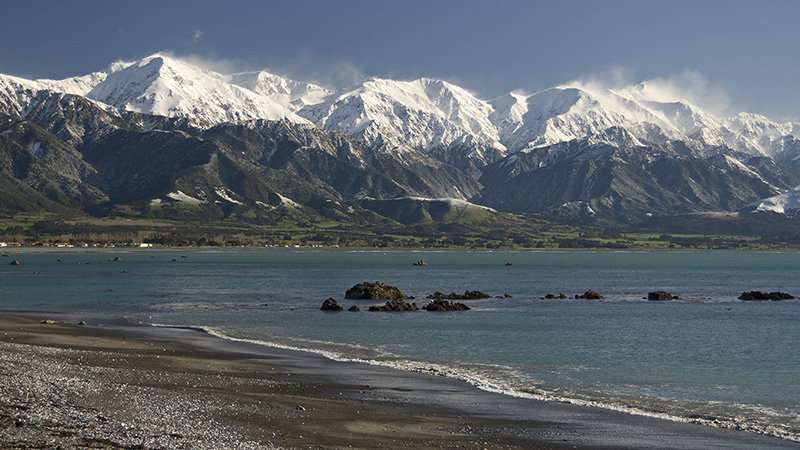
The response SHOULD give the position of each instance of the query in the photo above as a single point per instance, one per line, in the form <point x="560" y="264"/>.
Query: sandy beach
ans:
<point x="116" y="385"/>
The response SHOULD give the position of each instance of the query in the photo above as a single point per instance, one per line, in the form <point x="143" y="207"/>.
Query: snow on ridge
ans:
<point x="170" y="87"/>
<point x="423" y="114"/>
<point x="456" y="203"/>
<point x="183" y="198"/>
<point x="291" y="94"/>
<point x="225" y="194"/>
<point x="787" y="203"/>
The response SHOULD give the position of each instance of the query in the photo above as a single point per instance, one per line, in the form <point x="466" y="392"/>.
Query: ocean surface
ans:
<point x="707" y="357"/>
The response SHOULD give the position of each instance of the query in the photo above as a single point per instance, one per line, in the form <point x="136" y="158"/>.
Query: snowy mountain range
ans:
<point x="574" y="149"/>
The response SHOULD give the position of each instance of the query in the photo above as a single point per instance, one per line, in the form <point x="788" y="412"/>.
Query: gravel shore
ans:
<point x="118" y="386"/>
<point x="70" y="386"/>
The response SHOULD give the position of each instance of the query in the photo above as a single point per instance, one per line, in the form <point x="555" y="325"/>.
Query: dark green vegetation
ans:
<point x="511" y="233"/>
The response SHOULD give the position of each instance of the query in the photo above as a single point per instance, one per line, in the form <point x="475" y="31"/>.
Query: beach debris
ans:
<point x="551" y="296"/>
<point x="300" y="408"/>
<point x="48" y="321"/>
<point x="395" y="305"/>
<point x="374" y="291"/>
<point x="331" y="305"/>
<point x="444" y="305"/>
<point x="468" y="295"/>
<point x="354" y="308"/>
<point x="15" y="262"/>
<point x="420" y="262"/>
<point x="661" y="295"/>
<point x="590" y="295"/>
<point x="761" y="296"/>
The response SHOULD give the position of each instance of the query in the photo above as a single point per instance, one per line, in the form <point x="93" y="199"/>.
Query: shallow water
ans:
<point x="707" y="357"/>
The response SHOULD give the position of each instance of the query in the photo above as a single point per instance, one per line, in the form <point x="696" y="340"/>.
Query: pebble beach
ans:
<point x="65" y="385"/>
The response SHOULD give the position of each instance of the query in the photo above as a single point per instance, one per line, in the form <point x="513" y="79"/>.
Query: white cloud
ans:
<point x="687" y="86"/>
<point x="196" y="35"/>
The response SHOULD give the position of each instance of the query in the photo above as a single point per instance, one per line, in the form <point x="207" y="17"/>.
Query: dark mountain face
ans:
<point x="626" y="183"/>
<point x="67" y="153"/>
<point x="75" y="154"/>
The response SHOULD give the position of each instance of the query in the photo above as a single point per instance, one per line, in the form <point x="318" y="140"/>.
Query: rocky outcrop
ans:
<point x="15" y="263"/>
<point x="444" y="305"/>
<point x="420" y="262"/>
<point x="354" y="308"/>
<point x="661" y="295"/>
<point x="551" y="296"/>
<point x="468" y="295"/>
<point x="762" y="296"/>
<point x="331" y="305"/>
<point x="590" y="295"/>
<point x="374" y="291"/>
<point x="395" y="305"/>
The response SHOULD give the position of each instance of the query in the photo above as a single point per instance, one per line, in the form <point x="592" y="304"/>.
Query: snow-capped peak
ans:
<point x="171" y="87"/>
<point x="292" y="94"/>
<point x="424" y="113"/>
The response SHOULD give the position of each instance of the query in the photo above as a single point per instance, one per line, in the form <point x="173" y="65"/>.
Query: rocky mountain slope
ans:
<point x="164" y="137"/>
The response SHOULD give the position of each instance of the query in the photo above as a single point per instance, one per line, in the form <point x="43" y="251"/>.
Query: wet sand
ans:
<point x="109" y="384"/>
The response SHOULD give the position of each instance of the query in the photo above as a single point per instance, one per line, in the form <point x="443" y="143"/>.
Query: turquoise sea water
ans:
<point x="707" y="357"/>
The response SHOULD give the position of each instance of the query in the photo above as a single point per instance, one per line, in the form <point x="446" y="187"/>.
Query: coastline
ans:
<point x="111" y="384"/>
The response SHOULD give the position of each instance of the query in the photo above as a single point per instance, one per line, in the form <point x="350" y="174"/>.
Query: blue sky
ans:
<point x="732" y="55"/>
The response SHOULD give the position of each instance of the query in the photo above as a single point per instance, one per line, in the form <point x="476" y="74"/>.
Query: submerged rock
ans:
<point x="468" y="295"/>
<point x="661" y="295"/>
<point x="551" y="296"/>
<point x="354" y="308"/>
<point x="15" y="263"/>
<point x="331" y="305"/>
<point x="761" y="296"/>
<point x="444" y="305"/>
<point x="374" y="291"/>
<point x="395" y="305"/>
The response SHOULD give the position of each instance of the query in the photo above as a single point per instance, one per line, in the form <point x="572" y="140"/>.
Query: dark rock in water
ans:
<point x="374" y="291"/>
<point x="468" y="295"/>
<point x="444" y="305"/>
<point x="354" y="308"/>
<point x="331" y="305"/>
<point x="761" y="296"/>
<point x="420" y="262"/>
<point x="15" y="263"/>
<point x="509" y="264"/>
<point x="395" y="305"/>
<point x="590" y="295"/>
<point x="661" y="295"/>
<point x="560" y="295"/>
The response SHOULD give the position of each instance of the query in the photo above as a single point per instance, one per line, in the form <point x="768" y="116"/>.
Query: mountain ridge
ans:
<point x="255" y="138"/>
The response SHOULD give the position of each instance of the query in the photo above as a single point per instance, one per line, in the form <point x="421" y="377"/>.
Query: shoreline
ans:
<point x="212" y="249"/>
<point x="113" y="384"/>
